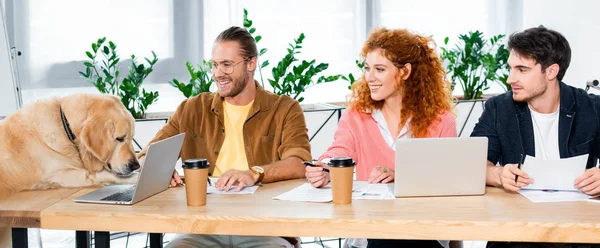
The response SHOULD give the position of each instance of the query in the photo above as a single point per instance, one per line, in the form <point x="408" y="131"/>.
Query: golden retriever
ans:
<point x="36" y="151"/>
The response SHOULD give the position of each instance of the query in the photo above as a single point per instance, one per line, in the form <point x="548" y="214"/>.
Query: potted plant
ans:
<point x="292" y="79"/>
<point x="474" y="63"/>
<point x="288" y="77"/>
<point x="103" y="72"/>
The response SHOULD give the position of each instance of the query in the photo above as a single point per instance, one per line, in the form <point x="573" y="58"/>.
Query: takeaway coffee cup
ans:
<point x="341" y="171"/>
<point x="196" y="177"/>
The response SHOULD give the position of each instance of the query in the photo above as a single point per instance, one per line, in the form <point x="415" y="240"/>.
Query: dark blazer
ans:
<point x="507" y="125"/>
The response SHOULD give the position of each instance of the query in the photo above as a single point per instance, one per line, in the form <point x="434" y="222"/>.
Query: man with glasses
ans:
<point x="247" y="134"/>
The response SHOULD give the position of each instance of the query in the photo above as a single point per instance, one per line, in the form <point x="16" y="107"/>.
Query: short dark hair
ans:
<point x="545" y="46"/>
<point x="242" y="37"/>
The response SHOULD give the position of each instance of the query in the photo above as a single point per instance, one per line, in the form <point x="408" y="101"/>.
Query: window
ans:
<point x="54" y="35"/>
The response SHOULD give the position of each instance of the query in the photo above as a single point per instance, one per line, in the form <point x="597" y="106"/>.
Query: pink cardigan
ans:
<point x="358" y="137"/>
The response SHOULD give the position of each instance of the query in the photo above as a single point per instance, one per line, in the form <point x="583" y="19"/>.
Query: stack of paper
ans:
<point x="554" y="174"/>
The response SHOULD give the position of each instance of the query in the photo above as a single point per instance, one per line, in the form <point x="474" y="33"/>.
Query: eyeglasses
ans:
<point x="226" y="66"/>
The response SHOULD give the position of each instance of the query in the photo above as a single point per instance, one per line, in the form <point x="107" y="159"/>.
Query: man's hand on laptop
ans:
<point x="381" y="174"/>
<point x="589" y="182"/>
<point x="176" y="180"/>
<point x="316" y="175"/>
<point x="235" y="177"/>
<point x="508" y="175"/>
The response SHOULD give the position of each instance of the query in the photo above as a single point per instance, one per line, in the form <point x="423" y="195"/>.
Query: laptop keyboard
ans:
<point x="125" y="195"/>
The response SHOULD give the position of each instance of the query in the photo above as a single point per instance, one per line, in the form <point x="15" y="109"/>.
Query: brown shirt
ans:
<point x="274" y="129"/>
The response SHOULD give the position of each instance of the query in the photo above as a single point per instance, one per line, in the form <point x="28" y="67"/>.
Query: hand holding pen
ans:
<point x="316" y="174"/>
<point x="513" y="178"/>
<point x="317" y="166"/>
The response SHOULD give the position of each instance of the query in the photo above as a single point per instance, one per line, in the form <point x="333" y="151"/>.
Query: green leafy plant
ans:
<point x="201" y="80"/>
<point x="350" y="78"/>
<point x="137" y="102"/>
<point x="102" y="71"/>
<point x="475" y="62"/>
<point x="295" y="81"/>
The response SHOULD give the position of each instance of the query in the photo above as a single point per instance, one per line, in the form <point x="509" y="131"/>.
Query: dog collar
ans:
<point x="66" y="126"/>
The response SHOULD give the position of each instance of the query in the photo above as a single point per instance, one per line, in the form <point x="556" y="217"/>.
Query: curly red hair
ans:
<point x="425" y="93"/>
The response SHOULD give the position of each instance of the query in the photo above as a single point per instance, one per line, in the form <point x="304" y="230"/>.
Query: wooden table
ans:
<point x="496" y="216"/>
<point x="23" y="210"/>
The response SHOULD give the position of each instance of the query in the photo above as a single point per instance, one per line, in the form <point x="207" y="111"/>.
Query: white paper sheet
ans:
<point x="553" y="195"/>
<point x="213" y="190"/>
<point x="307" y="193"/>
<point x="361" y="190"/>
<point x="554" y="174"/>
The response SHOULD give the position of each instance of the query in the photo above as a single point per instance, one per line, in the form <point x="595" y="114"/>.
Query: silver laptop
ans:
<point x="154" y="177"/>
<point x="440" y="166"/>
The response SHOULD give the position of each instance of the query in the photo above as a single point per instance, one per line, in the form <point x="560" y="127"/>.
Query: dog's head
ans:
<point x="106" y="137"/>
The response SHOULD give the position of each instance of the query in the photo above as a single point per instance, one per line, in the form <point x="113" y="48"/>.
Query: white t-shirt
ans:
<point x="545" y="132"/>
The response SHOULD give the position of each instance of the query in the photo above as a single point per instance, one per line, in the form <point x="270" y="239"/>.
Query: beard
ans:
<point x="238" y="84"/>
<point x="532" y="94"/>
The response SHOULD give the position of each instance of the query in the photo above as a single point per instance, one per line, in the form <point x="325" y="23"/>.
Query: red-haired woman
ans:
<point x="403" y="94"/>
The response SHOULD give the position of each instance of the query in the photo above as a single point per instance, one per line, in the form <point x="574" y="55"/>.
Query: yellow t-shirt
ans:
<point x="233" y="152"/>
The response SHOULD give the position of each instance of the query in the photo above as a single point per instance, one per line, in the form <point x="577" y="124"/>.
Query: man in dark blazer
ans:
<point x="541" y="117"/>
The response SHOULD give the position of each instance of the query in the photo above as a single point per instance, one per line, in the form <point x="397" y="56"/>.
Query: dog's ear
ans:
<point x="97" y="138"/>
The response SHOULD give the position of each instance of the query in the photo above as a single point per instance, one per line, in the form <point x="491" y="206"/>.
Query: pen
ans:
<point x="371" y="194"/>
<point x="313" y="165"/>
<point x="519" y="167"/>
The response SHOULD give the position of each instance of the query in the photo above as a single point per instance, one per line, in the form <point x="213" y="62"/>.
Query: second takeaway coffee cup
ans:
<point x="196" y="176"/>
<point x="341" y="173"/>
